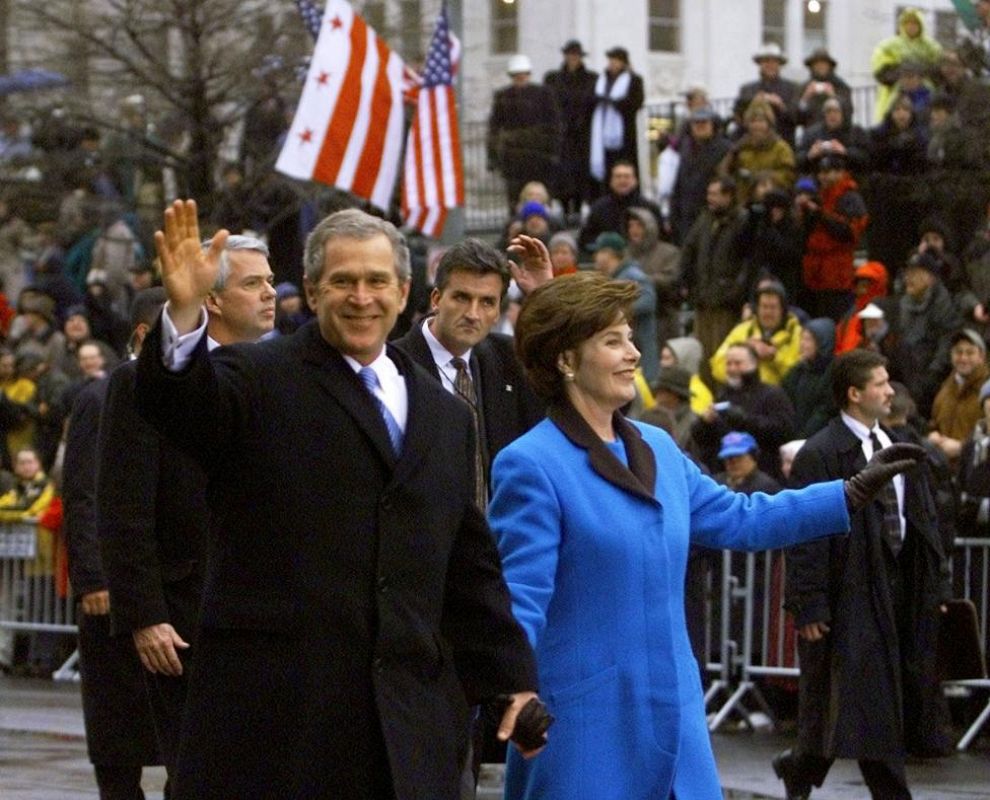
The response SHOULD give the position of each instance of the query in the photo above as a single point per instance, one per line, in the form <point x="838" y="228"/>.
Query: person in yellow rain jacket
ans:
<point x="909" y="44"/>
<point x="773" y="331"/>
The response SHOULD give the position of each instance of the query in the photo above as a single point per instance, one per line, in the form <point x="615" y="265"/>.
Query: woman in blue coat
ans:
<point x="594" y="516"/>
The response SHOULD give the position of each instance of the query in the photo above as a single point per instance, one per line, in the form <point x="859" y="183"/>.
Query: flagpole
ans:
<point x="453" y="229"/>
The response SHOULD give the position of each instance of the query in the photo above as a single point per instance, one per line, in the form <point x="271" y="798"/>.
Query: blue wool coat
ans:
<point x="594" y="553"/>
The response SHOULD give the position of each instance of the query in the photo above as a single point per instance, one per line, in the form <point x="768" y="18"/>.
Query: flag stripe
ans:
<point x="381" y="108"/>
<point x="342" y="121"/>
<point x="388" y="170"/>
<point x="437" y="172"/>
<point x="455" y="148"/>
<point x="362" y="121"/>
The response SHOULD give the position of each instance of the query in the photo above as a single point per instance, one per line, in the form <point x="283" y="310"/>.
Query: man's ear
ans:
<point x="212" y="306"/>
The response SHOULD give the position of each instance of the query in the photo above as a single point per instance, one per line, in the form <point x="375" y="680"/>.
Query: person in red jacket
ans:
<point x="834" y="221"/>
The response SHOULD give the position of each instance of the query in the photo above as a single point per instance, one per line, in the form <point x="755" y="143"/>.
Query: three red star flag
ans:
<point x="347" y="130"/>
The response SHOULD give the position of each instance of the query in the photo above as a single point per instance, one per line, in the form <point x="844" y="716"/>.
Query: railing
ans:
<point x="30" y="596"/>
<point x="485" y="192"/>
<point x="755" y="638"/>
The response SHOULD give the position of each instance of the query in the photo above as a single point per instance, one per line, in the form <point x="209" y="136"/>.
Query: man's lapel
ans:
<point x="335" y="376"/>
<point x="415" y="346"/>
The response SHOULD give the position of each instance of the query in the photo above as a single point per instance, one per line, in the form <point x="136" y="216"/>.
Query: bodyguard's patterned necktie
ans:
<point x="370" y="380"/>
<point x="891" y="513"/>
<point x="464" y="388"/>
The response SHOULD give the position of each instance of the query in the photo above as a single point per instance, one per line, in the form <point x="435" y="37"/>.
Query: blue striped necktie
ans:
<point x="370" y="380"/>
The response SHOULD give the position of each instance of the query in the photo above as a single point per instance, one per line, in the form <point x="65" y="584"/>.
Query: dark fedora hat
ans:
<point x="820" y="54"/>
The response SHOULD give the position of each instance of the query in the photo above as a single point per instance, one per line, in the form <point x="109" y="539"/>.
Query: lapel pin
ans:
<point x="508" y="387"/>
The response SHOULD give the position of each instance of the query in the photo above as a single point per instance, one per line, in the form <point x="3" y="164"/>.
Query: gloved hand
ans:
<point x="531" y="725"/>
<point x="884" y="465"/>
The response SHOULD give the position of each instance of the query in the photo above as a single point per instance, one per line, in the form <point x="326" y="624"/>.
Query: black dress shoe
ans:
<point x="784" y="767"/>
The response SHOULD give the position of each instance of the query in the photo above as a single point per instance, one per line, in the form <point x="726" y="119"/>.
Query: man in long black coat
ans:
<point x="573" y="85"/>
<point x="619" y="97"/>
<point x="354" y="604"/>
<point x="151" y="501"/>
<point x="866" y="608"/>
<point x="120" y="732"/>
<point x="523" y="131"/>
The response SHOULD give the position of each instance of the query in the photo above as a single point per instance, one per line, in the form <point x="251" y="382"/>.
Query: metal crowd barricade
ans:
<point x="971" y="580"/>
<point x="749" y="636"/>
<point x="29" y="596"/>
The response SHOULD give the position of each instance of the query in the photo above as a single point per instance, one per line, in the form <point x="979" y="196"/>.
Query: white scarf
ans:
<point x="607" y="128"/>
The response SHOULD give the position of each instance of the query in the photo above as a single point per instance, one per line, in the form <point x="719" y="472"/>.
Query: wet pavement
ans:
<point x="43" y="757"/>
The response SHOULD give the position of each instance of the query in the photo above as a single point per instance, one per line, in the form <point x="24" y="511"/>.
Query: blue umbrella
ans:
<point x="31" y="80"/>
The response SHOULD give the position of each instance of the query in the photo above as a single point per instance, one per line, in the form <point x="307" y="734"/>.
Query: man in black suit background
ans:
<point x="865" y="606"/>
<point x="354" y="604"/>
<point x="471" y="281"/>
<point x="151" y="501"/>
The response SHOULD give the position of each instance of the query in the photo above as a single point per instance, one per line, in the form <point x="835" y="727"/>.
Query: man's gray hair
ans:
<point x="352" y="223"/>
<point x="236" y="242"/>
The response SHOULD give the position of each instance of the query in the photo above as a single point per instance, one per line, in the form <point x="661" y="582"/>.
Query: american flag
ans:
<point x="347" y="131"/>
<point x="433" y="178"/>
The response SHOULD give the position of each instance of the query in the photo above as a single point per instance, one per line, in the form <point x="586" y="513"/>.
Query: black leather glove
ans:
<point x="884" y="465"/>
<point x="532" y="722"/>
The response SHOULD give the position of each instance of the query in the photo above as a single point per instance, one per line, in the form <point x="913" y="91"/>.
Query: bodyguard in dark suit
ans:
<point x="152" y="496"/>
<point x="471" y="281"/>
<point x="866" y="606"/>
<point x="354" y="603"/>
<point x="120" y="733"/>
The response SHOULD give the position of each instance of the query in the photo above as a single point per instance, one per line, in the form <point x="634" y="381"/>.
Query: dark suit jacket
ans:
<point x="153" y="517"/>
<point x="509" y="407"/>
<point x="354" y="602"/>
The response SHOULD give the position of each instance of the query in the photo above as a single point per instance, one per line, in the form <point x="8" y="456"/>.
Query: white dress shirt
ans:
<point x="863" y="434"/>
<point x="442" y="358"/>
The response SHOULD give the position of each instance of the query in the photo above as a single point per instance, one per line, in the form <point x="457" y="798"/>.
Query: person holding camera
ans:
<point x="835" y="221"/>
<point x="822" y="84"/>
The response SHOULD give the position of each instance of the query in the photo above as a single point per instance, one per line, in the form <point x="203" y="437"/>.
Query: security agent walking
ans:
<point x="866" y="606"/>
<point x="151" y="502"/>
<point x="354" y="604"/>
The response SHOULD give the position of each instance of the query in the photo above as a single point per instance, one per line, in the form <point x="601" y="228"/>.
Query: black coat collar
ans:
<point x="639" y="478"/>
